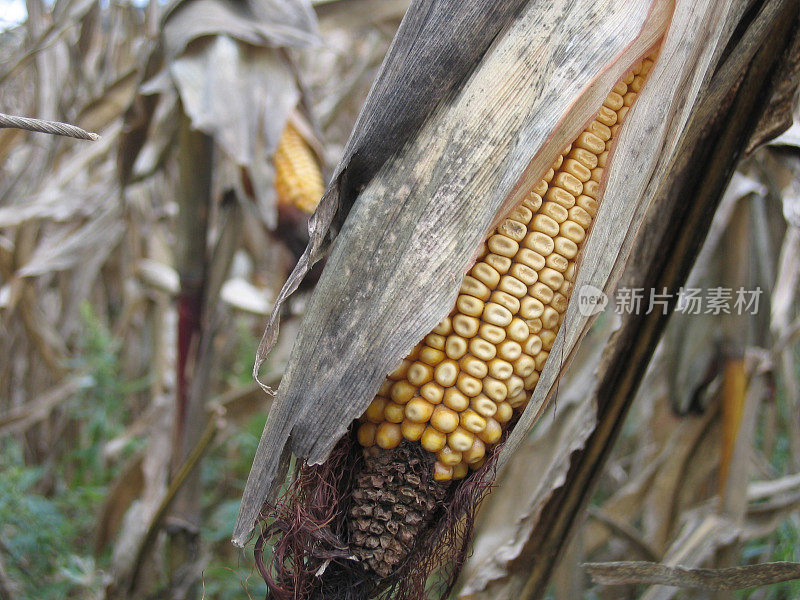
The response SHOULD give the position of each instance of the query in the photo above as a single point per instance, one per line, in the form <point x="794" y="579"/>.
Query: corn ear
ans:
<point x="298" y="178"/>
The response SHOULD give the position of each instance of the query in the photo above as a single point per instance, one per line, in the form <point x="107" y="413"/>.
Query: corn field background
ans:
<point x="130" y="312"/>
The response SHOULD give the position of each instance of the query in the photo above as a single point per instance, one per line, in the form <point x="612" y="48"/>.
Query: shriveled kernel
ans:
<point x="545" y="225"/>
<point x="495" y="389"/>
<point x="432" y="440"/>
<point x="455" y="347"/>
<point x="540" y="187"/>
<point x="481" y="349"/>
<point x="386" y="388"/>
<point x="492" y="433"/>
<point x="432" y="392"/>
<point x="483" y="405"/>
<point x="560" y="196"/>
<point x="419" y="410"/>
<point x="444" y="327"/>
<point x="512" y="285"/>
<point x="469" y="305"/>
<point x="501" y="264"/>
<point x="504" y="412"/>
<point x="465" y="326"/>
<point x="374" y="412"/>
<point x="592" y="189"/>
<point x="524" y="273"/>
<point x="531" y="380"/>
<point x="628" y="99"/>
<point x="412" y="431"/>
<point x="524" y="365"/>
<point x="507" y="301"/>
<point x="518" y="330"/>
<point x="468" y="384"/>
<point x="589" y="204"/>
<point x="530" y="258"/>
<point x="460" y="470"/>
<point x="540" y="291"/>
<point x="412" y="356"/>
<point x="419" y="374"/>
<point x="460" y="440"/>
<point x="503" y="245"/>
<point x="388" y="435"/>
<point x="602" y="159"/>
<point x="549" y="175"/>
<point x="534" y="325"/>
<point x="531" y="308"/>
<point x="569" y="183"/>
<point x="474" y="366"/>
<point x="571" y="230"/>
<point x="515" y="385"/>
<point x="476" y="452"/>
<point x="475" y="288"/>
<point x="548" y="338"/>
<point x="399" y="373"/>
<point x="366" y="434"/>
<point x="636" y="84"/>
<point x="472" y="421"/>
<point x="628" y="79"/>
<point x="431" y="356"/>
<point x="485" y="274"/>
<point x="441" y="472"/>
<point x="559" y="302"/>
<point x="448" y="457"/>
<point x="534" y="199"/>
<point x="623" y="112"/>
<point x="402" y="392"/>
<point x="496" y="314"/>
<point x="558" y="162"/>
<point x="509" y="350"/>
<point x="557" y="262"/>
<point x="555" y="211"/>
<point x="477" y="464"/>
<point x="580" y="216"/>
<point x="533" y="345"/>
<point x="446" y="372"/>
<point x="393" y="412"/>
<point x="492" y="334"/>
<point x="518" y="401"/>
<point x="578" y="170"/>
<point x="540" y="359"/>
<point x="500" y="369"/>
<point x="512" y="229"/>
<point x="620" y="88"/>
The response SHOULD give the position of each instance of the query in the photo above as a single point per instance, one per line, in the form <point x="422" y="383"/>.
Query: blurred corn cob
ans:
<point x="298" y="178"/>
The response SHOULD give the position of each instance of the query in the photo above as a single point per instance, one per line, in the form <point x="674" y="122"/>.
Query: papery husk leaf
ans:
<point x="398" y="261"/>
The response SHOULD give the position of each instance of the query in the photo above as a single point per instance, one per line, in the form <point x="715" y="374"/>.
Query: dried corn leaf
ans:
<point x="421" y="216"/>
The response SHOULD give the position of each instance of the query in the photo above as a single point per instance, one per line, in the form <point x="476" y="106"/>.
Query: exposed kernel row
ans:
<point x="457" y="390"/>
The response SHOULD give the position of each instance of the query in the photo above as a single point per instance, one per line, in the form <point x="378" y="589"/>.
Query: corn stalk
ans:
<point x="419" y="209"/>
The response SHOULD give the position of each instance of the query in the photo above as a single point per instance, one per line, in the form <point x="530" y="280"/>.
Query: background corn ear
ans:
<point x="298" y="178"/>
